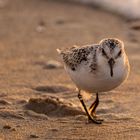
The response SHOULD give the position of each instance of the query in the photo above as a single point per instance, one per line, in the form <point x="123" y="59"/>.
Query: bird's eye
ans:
<point x="104" y="53"/>
<point x="119" y="54"/>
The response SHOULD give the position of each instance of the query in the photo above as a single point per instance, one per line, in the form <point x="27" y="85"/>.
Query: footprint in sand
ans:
<point x="53" y="106"/>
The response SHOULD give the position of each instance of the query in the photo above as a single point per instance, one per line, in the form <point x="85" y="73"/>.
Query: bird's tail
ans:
<point x="59" y="51"/>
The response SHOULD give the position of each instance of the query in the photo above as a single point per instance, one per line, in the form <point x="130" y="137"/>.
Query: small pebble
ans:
<point x="54" y="129"/>
<point x="6" y="127"/>
<point x="18" y="126"/>
<point x="34" y="136"/>
<point x="135" y="27"/>
<point x="60" y="21"/>
<point x="13" y="129"/>
<point x="52" y="65"/>
<point x="41" y="27"/>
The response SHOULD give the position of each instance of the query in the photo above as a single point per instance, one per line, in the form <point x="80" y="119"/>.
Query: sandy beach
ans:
<point x="37" y="98"/>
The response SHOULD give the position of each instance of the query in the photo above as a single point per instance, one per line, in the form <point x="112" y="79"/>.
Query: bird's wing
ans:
<point x="74" y="56"/>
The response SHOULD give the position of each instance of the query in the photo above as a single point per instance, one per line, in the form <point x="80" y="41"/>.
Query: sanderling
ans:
<point x="96" y="68"/>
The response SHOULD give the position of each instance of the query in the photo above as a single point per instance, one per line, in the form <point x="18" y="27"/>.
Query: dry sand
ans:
<point x="37" y="98"/>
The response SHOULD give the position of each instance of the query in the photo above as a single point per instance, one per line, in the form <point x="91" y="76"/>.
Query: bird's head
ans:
<point x="112" y="51"/>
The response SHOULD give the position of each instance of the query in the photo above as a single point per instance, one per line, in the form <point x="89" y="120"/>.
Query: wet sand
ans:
<point x="37" y="98"/>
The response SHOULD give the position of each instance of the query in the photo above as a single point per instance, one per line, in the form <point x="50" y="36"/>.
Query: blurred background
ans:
<point x="128" y="8"/>
<point x="35" y="28"/>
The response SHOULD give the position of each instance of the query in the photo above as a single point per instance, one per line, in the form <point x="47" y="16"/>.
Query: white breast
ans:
<point x="99" y="80"/>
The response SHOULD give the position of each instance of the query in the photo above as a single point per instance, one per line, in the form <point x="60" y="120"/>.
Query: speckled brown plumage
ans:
<point x="75" y="56"/>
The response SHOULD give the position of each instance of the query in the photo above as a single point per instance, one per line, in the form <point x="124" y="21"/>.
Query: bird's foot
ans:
<point x="95" y="120"/>
<point x="93" y="115"/>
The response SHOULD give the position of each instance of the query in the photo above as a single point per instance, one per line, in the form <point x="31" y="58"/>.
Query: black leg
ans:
<point x="92" y="108"/>
<point x="93" y="104"/>
<point x="83" y="104"/>
<point x="96" y="103"/>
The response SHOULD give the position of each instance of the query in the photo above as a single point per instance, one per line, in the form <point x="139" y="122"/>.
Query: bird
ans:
<point x="96" y="68"/>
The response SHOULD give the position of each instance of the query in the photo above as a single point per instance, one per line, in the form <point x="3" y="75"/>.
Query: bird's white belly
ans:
<point x="99" y="81"/>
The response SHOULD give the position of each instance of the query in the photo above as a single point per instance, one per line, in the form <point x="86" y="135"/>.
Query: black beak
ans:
<point x="111" y="63"/>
